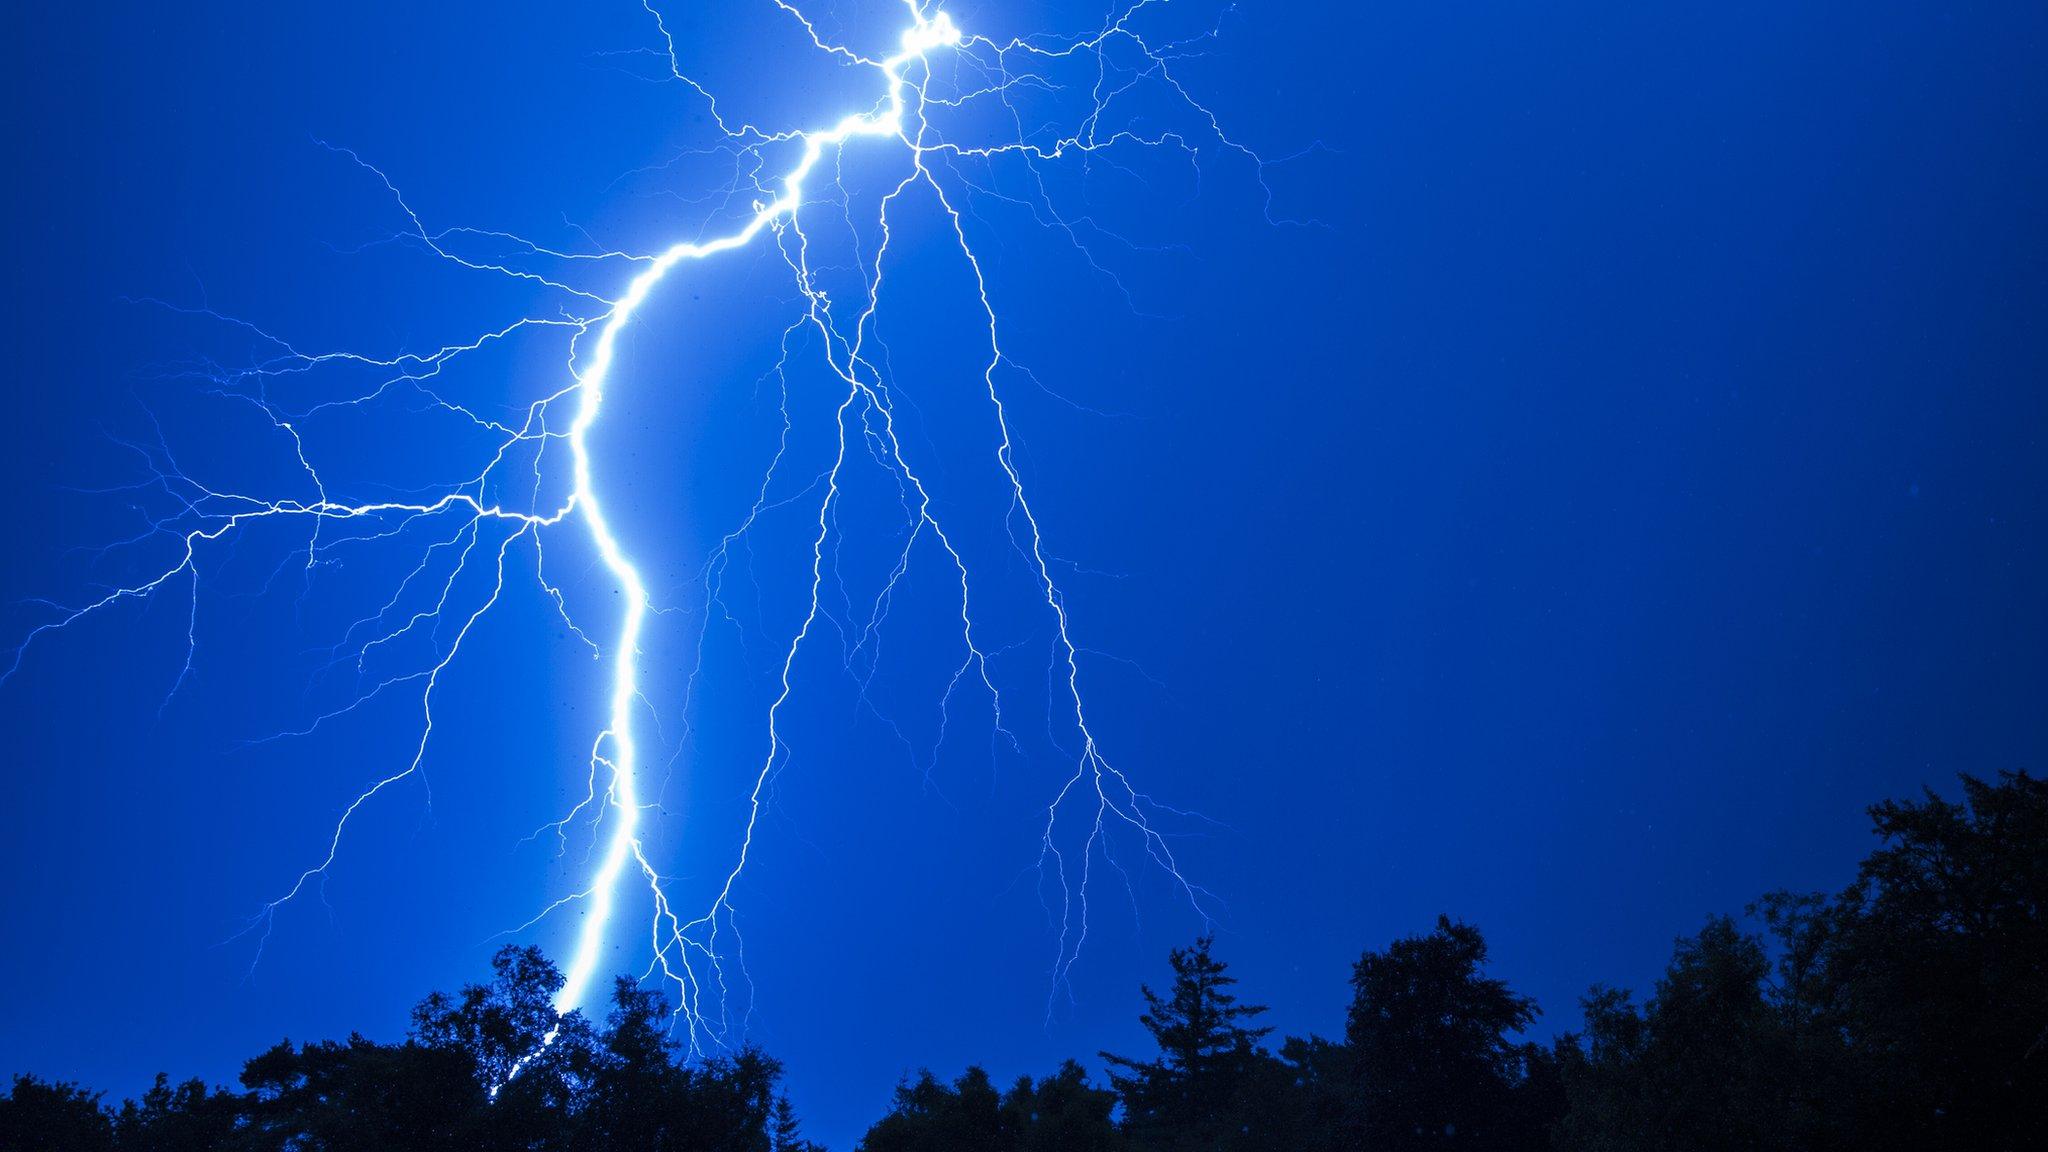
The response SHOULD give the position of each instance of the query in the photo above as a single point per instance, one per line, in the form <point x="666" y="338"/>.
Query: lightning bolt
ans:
<point x="477" y="526"/>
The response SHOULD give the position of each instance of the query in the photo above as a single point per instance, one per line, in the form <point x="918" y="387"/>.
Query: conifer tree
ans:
<point x="1195" y="1092"/>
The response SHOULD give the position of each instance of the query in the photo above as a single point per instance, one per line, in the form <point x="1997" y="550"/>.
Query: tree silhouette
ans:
<point x="1910" y="1011"/>
<point x="785" y="1134"/>
<point x="478" y="1071"/>
<point x="638" y="1091"/>
<point x="187" y="1117"/>
<point x="1700" y="1067"/>
<point x="930" y="1116"/>
<point x="1429" y="1053"/>
<point x="1061" y="1113"/>
<point x="628" y="1104"/>
<point x="339" y="1097"/>
<point x="1196" y="1092"/>
<point x="1933" y="968"/>
<point x="41" y="1116"/>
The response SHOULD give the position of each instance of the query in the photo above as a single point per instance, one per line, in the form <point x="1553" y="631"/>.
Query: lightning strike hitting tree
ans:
<point x="526" y="492"/>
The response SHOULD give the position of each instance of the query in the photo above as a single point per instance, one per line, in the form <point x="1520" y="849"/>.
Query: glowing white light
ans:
<point x="923" y="36"/>
<point x="207" y="515"/>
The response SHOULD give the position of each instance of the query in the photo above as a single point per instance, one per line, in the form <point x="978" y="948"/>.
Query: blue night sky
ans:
<point x="1635" y="470"/>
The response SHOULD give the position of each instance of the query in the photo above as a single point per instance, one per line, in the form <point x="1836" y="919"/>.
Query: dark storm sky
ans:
<point x="1638" y="472"/>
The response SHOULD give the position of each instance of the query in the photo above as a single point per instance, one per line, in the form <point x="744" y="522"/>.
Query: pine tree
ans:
<point x="1194" y="1094"/>
<point x="784" y="1133"/>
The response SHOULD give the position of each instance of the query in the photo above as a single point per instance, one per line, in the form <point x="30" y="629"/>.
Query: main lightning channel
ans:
<point x="925" y="35"/>
<point x="493" y="513"/>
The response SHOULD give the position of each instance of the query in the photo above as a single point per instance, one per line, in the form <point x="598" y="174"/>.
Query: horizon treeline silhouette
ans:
<point x="1909" y="1011"/>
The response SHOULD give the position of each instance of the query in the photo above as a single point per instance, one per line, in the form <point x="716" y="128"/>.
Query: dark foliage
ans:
<point x="1699" y="1067"/>
<point x="1429" y="1054"/>
<point x="1909" y="1011"/>
<point x="39" y="1116"/>
<point x="187" y="1117"/>
<point x="1061" y="1113"/>
<point x="1198" y="1091"/>
<point x="491" y="1068"/>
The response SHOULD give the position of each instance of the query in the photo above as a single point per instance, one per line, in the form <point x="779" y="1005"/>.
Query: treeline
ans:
<point x="1909" y="1011"/>
<point x="450" y="1086"/>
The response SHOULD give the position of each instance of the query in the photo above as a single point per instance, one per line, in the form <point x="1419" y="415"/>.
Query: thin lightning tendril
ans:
<point x="690" y="950"/>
